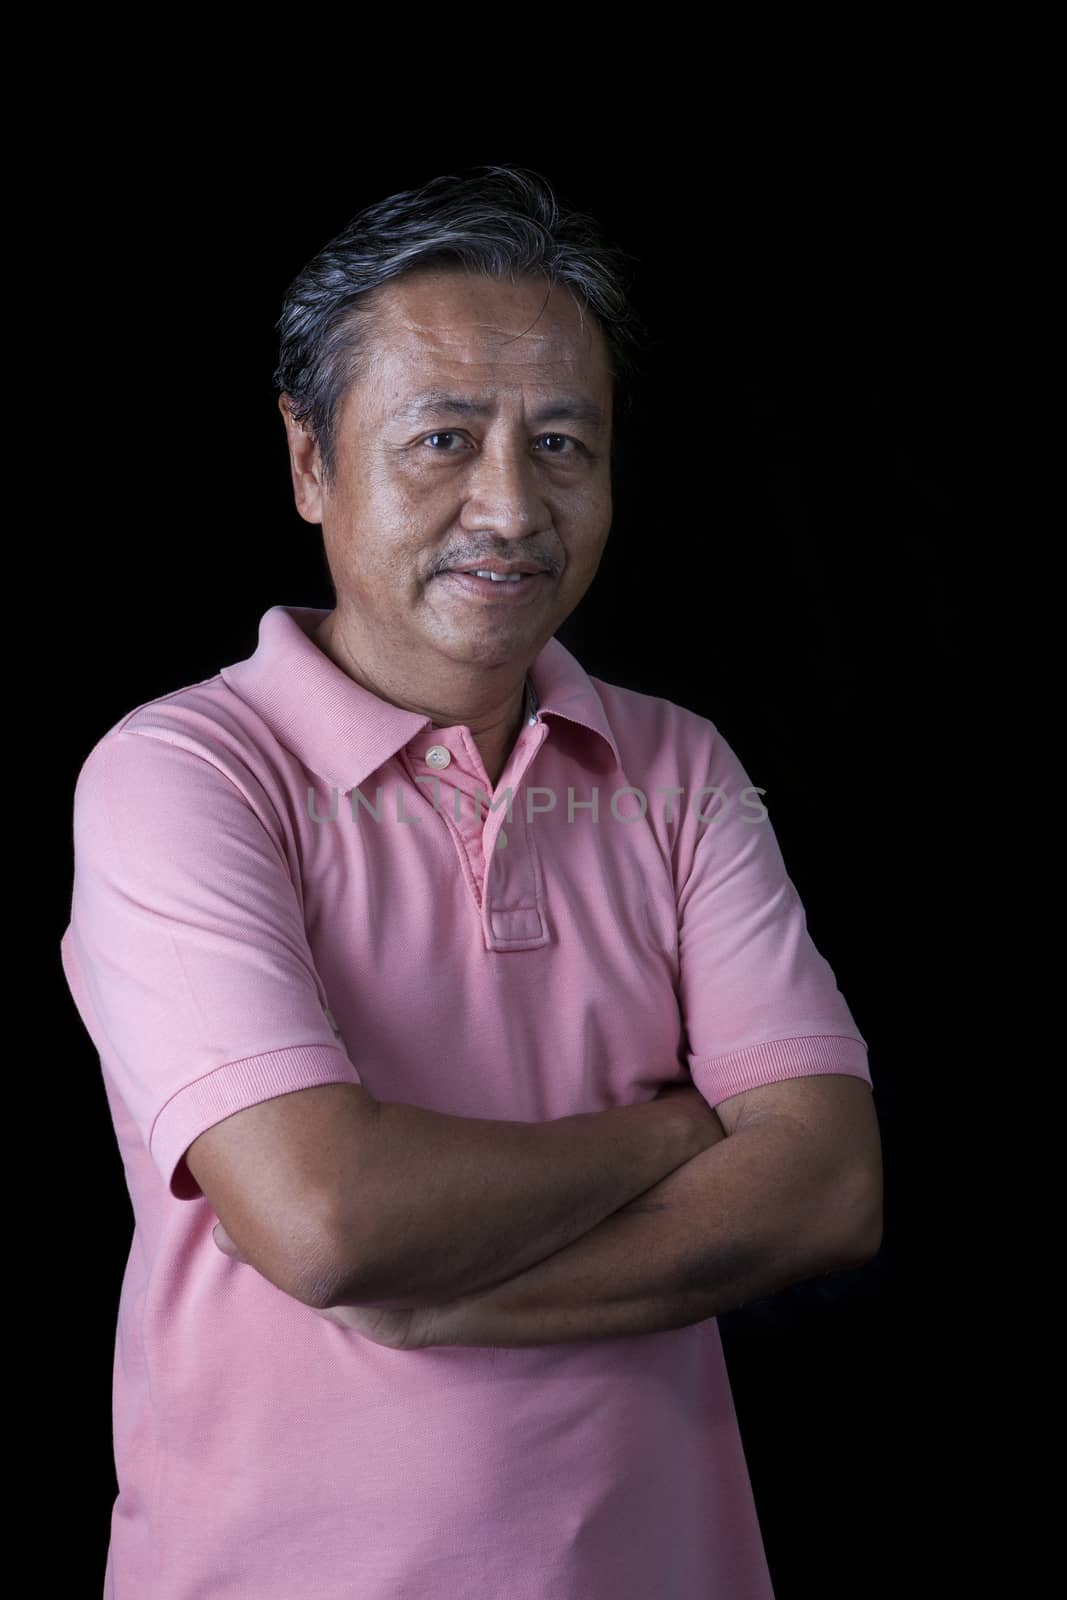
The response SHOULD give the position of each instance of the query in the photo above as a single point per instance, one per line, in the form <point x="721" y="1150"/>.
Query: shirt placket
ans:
<point x="496" y="848"/>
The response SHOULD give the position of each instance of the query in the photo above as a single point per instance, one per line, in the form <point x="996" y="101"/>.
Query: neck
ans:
<point x="493" y="707"/>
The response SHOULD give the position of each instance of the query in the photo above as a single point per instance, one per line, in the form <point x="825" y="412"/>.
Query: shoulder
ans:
<point x="195" y="743"/>
<point x="692" y="782"/>
<point x="649" y="728"/>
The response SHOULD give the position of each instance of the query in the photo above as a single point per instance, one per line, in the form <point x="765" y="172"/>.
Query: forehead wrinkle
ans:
<point x="523" y="333"/>
<point x="483" y="344"/>
<point x="421" y="373"/>
<point x="467" y="358"/>
<point x="443" y="333"/>
<point x="443" y="402"/>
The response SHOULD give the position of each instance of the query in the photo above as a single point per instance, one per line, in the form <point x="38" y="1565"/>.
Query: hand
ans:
<point x="687" y="1099"/>
<point x="394" y="1327"/>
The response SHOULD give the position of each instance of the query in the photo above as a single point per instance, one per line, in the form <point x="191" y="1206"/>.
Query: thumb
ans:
<point x="223" y="1240"/>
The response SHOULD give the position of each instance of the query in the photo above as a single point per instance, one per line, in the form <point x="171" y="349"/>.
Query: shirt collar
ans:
<point x="343" y="732"/>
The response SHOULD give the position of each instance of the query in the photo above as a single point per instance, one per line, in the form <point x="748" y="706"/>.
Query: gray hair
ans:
<point x="500" y="221"/>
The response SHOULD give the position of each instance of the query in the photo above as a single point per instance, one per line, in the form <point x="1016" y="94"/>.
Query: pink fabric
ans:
<point x="225" y="947"/>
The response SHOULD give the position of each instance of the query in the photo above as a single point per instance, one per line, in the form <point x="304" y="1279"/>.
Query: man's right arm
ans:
<point x="436" y="1206"/>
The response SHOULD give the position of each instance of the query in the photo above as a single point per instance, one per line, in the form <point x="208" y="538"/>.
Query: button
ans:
<point x="438" y="756"/>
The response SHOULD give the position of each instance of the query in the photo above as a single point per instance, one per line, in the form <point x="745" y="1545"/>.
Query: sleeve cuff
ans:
<point x="719" y="1077"/>
<point x="232" y="1088"/>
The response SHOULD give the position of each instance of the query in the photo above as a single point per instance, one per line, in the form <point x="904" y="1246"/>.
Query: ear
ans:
<point x="305" y="466"/>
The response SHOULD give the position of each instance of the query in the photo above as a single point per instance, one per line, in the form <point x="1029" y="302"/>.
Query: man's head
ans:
<point x="452" y="366"/>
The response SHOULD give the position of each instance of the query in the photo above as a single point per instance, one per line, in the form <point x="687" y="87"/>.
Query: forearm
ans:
<point x="462" y="1204"/>
<point x="744" y="1219"/>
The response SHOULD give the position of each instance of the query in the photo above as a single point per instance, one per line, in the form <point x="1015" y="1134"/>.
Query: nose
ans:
<point x="503" y="493"/>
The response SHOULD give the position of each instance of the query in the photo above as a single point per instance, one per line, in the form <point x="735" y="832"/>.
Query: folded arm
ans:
<point x="759" y="1211"/>
<point x="429" y="1207"/>
<point x="791" y="1189"/>
<point x="794" y="1191"/>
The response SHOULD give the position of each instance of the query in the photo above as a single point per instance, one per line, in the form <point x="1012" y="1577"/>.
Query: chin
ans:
<point x="490" y="652"/>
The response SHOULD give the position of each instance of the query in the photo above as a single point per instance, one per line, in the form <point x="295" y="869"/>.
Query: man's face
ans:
<point x="510" y="463"/>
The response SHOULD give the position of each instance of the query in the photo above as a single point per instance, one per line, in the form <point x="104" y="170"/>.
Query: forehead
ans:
<point x="486" y="330"/>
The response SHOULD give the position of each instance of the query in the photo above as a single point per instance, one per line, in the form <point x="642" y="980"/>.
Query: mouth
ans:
<point x="502" y="590"/>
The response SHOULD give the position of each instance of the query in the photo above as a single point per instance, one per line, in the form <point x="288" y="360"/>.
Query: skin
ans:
<point x="411" y="497"/>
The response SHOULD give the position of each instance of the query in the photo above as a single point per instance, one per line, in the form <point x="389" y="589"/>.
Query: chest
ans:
<point x="520" y="964"/>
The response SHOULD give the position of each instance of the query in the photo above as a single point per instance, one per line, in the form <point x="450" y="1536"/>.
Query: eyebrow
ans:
<point x="435" y="402"/>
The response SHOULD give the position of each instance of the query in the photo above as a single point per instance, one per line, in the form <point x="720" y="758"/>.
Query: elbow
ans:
<point x="856" y="1218"/>
<point x="871" y="1232"/>
<point x="873" y="1238"/>
<point x="317" y="1279"/>
<point x="299" y="1260"/>
<point x="866" y="1245"/>
<point x="339" y="1273"/>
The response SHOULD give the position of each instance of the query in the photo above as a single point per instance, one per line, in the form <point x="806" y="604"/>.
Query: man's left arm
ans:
<point x="791" y="1191"/>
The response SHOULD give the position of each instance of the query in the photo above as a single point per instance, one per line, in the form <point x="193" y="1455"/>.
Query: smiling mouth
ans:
<point x="521" y="587"/>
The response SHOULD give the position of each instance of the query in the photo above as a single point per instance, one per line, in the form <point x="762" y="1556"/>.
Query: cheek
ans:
<point x="414" y="507"/>
<point x="589" y="509"/>
<point x="587" y="531"/>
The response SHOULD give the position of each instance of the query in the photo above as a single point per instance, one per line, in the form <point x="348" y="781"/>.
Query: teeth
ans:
<point x="500" y="577"/>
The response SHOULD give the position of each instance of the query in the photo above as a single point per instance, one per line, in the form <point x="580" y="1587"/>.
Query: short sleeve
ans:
<point x="759" y="1002"/>
<point x="186" y="952"/>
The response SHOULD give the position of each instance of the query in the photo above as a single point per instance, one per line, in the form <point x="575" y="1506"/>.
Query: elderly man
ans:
<point x="465" y="1043"/>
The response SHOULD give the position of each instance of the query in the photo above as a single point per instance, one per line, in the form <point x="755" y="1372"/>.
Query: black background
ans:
<point x="784" y="560"/>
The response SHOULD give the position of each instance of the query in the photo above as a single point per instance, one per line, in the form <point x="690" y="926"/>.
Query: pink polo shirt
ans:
<point x="281" y="881"/>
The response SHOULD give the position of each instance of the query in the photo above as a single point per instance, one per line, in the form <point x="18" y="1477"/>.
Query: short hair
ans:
<point x="497" y="220"/>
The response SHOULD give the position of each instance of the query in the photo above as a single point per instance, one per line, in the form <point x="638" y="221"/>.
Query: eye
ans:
<point x="563" y="438"/>
<point x="559" y="439"/>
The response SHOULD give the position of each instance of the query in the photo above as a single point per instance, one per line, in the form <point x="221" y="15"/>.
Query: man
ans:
<point x="466" y="1047"/>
